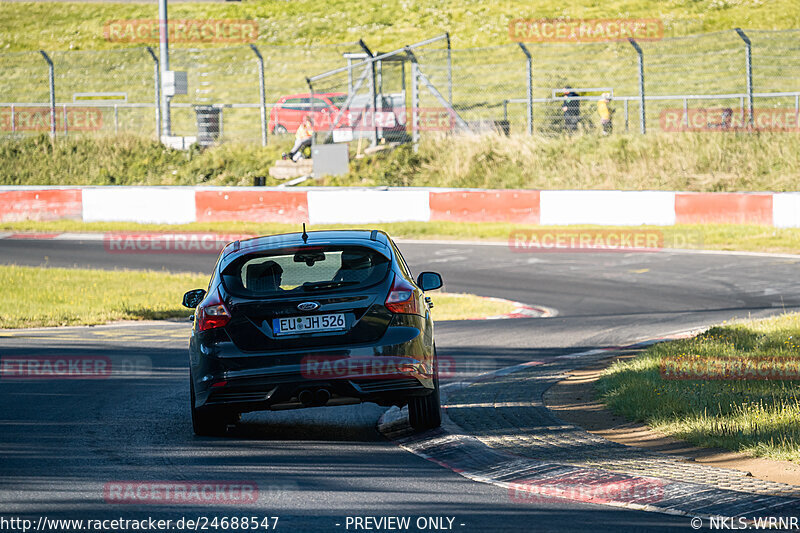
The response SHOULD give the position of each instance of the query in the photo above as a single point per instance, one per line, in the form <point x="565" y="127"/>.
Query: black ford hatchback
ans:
<point x="312" y="319"/>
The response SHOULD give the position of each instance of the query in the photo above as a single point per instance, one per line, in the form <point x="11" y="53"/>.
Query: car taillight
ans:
<point x="401" y="298"/>
<point x="213" y="314"/>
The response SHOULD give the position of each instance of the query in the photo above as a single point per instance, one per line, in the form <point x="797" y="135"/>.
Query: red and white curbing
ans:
<point x="520" y="310"/>
<point x="528" y="479"/>
<point x="352" y="205"/>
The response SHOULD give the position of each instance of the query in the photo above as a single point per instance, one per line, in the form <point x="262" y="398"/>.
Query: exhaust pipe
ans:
<point x="306" y="397"/>
<point x="321" y="397"/>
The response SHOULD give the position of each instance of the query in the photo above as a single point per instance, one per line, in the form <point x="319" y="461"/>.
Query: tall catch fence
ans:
<point x="357" y="93"/>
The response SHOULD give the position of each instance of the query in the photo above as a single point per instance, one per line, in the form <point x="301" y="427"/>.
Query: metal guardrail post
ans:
<point x="626" y="115"/>
<point x="748" y="71"/>
<point x="313" y="126"/>
<point x="157" y="78"/>
<point x="639" y="52"/>
<point x="686" y="112"/>
<point x="449" y="70"/>
<point x="163" y="48"/>
<point x="528" y="86"/>
<point x="262" y="94"/>
<point x="373" y="89"/>
<point x="414" y="100"/>
<point x="52" y="77"/>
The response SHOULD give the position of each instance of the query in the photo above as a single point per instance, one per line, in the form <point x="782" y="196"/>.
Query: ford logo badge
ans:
<point x="308" y="306"/>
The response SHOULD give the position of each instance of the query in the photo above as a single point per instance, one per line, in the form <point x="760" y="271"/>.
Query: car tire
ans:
<point x="425" y="412"/>
<point x="206" y="423"/>
<point x="280" y="129"/>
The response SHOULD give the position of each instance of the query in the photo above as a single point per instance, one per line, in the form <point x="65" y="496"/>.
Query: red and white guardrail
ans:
<point x="178" y="205"/>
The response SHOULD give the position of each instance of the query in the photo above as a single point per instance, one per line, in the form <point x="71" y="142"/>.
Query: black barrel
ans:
<point x="208" y="118"/>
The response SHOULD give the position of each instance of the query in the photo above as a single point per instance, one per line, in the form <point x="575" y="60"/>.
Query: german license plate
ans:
<point x="308" y="324"/>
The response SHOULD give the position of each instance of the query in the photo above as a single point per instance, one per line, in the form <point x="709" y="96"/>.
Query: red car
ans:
<point x="288" y="113"/>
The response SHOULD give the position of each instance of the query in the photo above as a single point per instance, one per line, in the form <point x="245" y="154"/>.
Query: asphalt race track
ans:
<point x="63" y="441"/>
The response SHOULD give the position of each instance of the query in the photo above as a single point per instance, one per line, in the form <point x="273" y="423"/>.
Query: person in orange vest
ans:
<point x="605" y="113"/>
<point x="302" y="139"/>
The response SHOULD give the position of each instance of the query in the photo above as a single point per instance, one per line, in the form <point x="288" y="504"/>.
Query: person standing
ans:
<point x="605" y="113"/>
<point x="572" y="110"/>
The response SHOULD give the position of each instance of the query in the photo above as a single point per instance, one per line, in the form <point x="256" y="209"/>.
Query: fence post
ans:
<point x="116" y="119"/>
<point x="748" y="71"/>
<point x="529" y="86"/>
<point x="66" y="127"/>
<point x="449" y="70"/>
<point x="414" y="99"/>
<point x="13" y="120"/>
<point x="373" y="91"/>
<point x="163" y="48"/>
<point x="638" y="49"/>
<point x="626" y="114"/>
<point x="52" y="93"/>
<point x="686" y="112"/>
<point x="313" y="126"/>
<point x="262" y="95"/>
<point x="157" y="78"/>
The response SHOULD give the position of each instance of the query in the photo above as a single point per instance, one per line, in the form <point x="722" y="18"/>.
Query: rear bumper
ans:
<point x="386" y="372"/>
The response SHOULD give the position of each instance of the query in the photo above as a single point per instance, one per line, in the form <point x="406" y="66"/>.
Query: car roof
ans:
<point x="376" y="239"/>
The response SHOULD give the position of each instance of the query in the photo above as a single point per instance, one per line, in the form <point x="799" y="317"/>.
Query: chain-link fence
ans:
<point x="372" y="96"/>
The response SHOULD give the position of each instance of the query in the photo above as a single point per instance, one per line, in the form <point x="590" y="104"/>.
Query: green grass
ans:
<point x="730" y="237"/>
<point x="296" y="40"/>
<point x="39" y="297"/>
<point x="758" y="417"/>
<point x="665" y="161"/>
<point x="69" y="297"/>
<point x="129" y="160"/>
<point x="459" y="306"/>
<point x="79" y="26"/>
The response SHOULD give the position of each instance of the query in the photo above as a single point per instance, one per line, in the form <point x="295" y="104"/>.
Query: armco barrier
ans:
<point x="176" y="205"/>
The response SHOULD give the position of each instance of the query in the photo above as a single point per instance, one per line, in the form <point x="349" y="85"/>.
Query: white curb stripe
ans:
<point x="146" y="205"/>
<point x="611" y="208"/>
<point x="368" y="206"/>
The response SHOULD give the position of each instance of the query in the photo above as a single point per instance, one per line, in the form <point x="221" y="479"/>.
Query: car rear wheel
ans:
<point x="426" y="412"/>
<point x="207" y="423"/>
<point x="280" y="129"/>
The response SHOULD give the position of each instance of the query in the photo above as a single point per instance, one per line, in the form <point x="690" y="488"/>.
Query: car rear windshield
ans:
<point x="305" y="270"/>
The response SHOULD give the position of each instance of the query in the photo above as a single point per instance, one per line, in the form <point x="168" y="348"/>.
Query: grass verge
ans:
<point x="759" y="417"/>
<point x="703" y="162"/>
<point x="77" y="25"/>
<point x="39" y="297"/>
<point x="750" y="238"/>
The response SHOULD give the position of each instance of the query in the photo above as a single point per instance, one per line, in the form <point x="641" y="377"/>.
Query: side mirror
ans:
<point x="192" y="298"/>
<point x="428" y="281"/>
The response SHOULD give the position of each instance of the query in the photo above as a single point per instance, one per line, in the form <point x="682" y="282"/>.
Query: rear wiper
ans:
<point x="317" y="285"/>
